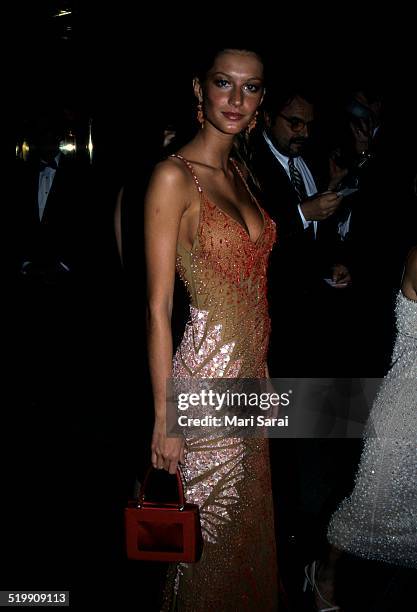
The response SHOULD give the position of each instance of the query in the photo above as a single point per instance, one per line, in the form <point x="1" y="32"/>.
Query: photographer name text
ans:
<point x="232" y="421"/>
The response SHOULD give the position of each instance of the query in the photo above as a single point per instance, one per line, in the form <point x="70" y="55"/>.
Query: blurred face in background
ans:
<point x="45" y="138"/>
<point x="291" y="128"/>
<point x="374" y="108"/>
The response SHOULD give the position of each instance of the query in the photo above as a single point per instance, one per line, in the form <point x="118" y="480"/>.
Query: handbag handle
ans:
<point x="181" y="500"/>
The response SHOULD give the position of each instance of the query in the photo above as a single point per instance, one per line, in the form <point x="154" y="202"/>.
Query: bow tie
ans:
<point x="43" y="165"/>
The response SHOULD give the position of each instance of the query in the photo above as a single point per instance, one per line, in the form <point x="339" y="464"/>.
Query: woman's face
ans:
<point x="232" y="91"/>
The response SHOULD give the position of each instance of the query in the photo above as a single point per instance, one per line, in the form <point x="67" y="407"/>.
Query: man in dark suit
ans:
<point x="53" y="246"/>
<point x="307" y="244"/>
<point x="50" y="209"/>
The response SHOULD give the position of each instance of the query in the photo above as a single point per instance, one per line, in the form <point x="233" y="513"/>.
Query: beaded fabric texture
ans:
<point x="229" y="478"/>
<point x="379" y="519"/>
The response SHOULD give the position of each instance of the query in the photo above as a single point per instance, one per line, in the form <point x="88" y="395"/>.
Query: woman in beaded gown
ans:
<point x="201" y="218"/>
<point x="379" y="519"/>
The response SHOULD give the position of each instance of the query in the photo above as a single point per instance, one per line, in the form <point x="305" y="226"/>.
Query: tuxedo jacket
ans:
<point x="64" y="231"/>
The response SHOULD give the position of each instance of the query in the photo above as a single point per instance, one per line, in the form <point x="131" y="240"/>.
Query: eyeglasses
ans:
<point x="297" y="124"/>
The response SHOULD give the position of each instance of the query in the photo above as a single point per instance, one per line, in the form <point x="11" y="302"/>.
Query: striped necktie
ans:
<point x="297" y="180"/>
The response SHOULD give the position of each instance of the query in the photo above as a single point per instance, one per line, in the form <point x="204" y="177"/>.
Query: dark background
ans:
<point x="75" y="444"/>
<point x="129" y="66"/>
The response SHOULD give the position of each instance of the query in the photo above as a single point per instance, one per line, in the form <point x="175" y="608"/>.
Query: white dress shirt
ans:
<point x="46" y="178"/>
<point x="309" y="184"/>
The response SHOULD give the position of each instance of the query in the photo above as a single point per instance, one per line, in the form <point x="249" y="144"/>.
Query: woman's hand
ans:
<point x="166" y="452"/>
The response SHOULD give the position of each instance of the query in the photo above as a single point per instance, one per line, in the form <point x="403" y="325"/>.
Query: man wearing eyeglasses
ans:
<point x="286" y="133"/>
<point x="308" y="246"/>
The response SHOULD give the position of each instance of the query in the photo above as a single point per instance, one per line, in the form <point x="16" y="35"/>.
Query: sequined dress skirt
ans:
<point x="379" y="519"/>
<point x="229" y="478"/>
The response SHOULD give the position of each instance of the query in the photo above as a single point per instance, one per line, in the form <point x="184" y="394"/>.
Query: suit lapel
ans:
<point x="276" y="171"/>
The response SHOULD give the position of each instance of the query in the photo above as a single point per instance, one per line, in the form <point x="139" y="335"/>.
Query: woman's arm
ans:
<point x="409" y="284"/>
<point x="165" y="203"/>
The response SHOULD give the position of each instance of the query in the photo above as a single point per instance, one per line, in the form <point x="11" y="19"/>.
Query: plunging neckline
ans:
<point x="238" y="223"/>
<point x="226" y="214"/>
<point x="243" y="228"/>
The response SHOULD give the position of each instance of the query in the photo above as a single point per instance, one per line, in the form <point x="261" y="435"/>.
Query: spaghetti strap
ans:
<point x="248" y="189"/>
<point x="236" y="166"/>
<point x="190" y="168"/>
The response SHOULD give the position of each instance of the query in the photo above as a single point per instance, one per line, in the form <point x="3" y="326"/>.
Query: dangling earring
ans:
<point x="200" y="114"/>
<point x="252" y="123"/>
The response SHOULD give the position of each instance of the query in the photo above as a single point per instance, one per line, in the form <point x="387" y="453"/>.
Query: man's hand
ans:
<point x="341" y="276"/>
<point x="320" y="206"/>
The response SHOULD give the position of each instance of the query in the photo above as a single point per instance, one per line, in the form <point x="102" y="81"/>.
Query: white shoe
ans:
<point x="310" y="572"/>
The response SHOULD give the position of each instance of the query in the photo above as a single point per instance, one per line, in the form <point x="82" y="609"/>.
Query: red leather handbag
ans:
<point x="163" y="532"/>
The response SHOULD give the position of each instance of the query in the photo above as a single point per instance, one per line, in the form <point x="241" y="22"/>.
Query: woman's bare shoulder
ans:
<point x="410" y="275"/>
<point x="170" y="188"/>
<point x="411" y="263"/>
<point x="412" y="260"/>
<point x="170" y="172"/>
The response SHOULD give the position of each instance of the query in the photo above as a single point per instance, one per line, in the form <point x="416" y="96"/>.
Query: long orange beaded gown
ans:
<point x="229" y="478"/>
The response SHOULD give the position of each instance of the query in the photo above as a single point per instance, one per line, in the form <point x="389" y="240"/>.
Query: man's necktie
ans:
<point x="297" y="180"/>
<point x="298" y="184"/>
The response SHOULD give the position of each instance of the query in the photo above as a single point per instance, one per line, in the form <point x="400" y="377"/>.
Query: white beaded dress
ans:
<point x="379" y="519"/>
<point x="229" y="478"/>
